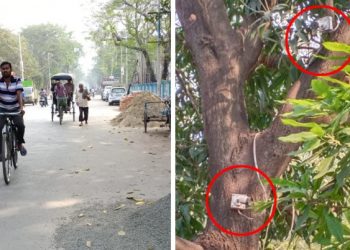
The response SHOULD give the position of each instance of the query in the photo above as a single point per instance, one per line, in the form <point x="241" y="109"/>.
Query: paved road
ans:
<point x="69" y="168"/>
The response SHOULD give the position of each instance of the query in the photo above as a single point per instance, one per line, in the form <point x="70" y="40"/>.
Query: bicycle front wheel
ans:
<point x="5" y="159"/>
<point x="14" y="152"/>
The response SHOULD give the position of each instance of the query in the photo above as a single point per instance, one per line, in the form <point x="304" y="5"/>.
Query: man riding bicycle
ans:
<point x="11" y="90"/>
<point x="61" y="96"/>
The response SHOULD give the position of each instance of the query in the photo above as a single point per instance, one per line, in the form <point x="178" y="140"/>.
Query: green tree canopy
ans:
<point x="53" y="47"/>
<point x="9" y="51"/>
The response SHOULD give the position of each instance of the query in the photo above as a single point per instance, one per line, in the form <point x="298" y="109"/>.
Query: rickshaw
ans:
<point x="63" y="78"/>
<point x="157" y="111"/>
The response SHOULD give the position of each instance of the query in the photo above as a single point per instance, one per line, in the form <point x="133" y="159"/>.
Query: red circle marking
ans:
<point x="210" y="215"/>
<point x="291" y="58"/>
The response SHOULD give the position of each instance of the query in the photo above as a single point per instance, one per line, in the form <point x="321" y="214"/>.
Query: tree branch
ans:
<point x="135" y="9"/>
<point x="181" y="76"/>
<point x="272" y="152"/>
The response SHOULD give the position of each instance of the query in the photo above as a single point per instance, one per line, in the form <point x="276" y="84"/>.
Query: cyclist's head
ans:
<point x="6" y="69"/>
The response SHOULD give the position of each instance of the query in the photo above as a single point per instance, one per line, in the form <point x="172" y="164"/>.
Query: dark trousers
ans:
<point x="83" y="113"/>
<point x="19" y="123"/>
<point x="69" y="101"/>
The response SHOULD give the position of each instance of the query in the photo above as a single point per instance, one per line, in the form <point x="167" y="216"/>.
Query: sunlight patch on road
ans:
<point x="61" y="203"/>
<point x="7" y="212"/>
<point x="106" y="143"/>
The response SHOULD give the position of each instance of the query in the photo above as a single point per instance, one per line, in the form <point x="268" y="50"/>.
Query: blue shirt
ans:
<point x="8" y="94"/>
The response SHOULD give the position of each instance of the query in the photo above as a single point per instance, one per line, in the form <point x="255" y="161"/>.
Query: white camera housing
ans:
<point x="240" y="201"/>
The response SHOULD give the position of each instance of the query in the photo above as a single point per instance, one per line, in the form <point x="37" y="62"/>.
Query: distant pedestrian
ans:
<point x="82" y="97"/>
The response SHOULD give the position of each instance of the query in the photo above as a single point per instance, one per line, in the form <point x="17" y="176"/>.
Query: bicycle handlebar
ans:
<point x="10" y="113"/>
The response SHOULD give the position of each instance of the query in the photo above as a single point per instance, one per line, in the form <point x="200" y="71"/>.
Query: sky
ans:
<point x="75" y="15"/>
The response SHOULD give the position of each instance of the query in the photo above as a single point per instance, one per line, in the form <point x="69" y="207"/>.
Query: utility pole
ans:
<point x="158" y="16"/>
<point x="121" y="65"/>
<point x="20" y="55"/>
<point x="158" y="52"/>
<point x="126" y="66"/>
<point x="48" y="61"/>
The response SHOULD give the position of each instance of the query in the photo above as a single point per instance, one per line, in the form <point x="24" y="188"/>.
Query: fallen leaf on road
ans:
<point x="140" y="203"/>
<point x="61" y="169"/>
<point x="152" y="153"/>
<point x="131" y="141"/>
<point x="129" y="192"/>
<point x="83" y="149"/>
<point x="139" y="200"/>
<point x="88" y="169"/>
<point x="81" y="215"/>
<point x="125" y="139"/>
<point x="88" y="243"/>
<point x="119" y="207"/>
<point x="121" y="233"/>
<point x="135" y="199"/>
<point x="76" y="172"/>
<point x="89" y="224"/>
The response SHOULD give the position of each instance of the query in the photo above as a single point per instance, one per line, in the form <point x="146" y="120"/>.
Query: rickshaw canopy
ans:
<point x="62" y="76"/>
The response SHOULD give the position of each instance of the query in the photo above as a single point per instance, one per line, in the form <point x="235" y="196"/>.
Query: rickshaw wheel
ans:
<point x="145" y="121"/>
<point x="61" y="114"/>
<point x="52" y="112"/>
<point x="73" y="111"/>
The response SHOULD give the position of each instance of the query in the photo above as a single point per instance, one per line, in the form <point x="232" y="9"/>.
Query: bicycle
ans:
<point x="9" y="153"/>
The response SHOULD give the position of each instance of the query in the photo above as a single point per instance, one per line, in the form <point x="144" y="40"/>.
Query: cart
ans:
<point x="157" y="112"/>
<point x="55" y="108"/>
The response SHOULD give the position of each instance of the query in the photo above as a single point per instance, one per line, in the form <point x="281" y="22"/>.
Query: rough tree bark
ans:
<point x="224" y="61"/>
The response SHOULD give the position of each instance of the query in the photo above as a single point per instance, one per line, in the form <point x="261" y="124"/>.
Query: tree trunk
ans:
<point x="223" y="67"/>
<point x="166" y="61"/>
<point x="149" y="66"/>
<point x="224" y="62"/>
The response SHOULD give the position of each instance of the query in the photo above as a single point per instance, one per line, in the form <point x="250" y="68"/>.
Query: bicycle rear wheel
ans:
<point x="5" y="158"/>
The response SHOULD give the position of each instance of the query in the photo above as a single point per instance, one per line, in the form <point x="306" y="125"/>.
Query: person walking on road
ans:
<point x="81" y="98"/>
<point x="11" y="90"/>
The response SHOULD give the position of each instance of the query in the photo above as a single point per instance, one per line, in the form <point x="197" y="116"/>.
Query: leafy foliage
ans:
<point x="316" y="188"/>
<point x="191" y="150"/>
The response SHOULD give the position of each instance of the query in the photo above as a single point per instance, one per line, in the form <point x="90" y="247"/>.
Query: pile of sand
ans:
<point x="133" y="115"/>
